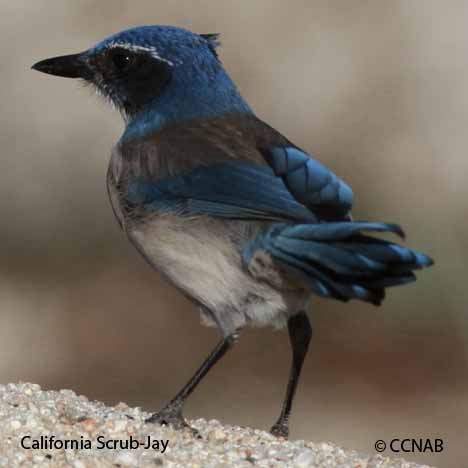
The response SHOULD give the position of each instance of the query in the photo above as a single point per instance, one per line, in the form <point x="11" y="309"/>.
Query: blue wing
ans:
<point x="294" y="187"/>
<point x="310" y="182"/>
<point x="235" y="190"/>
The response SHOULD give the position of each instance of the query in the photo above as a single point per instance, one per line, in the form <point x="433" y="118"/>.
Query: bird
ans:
<point x="243" y="222"/>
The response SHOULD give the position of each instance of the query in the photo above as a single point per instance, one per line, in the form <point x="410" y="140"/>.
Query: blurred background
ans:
<point x="377" y="90"/>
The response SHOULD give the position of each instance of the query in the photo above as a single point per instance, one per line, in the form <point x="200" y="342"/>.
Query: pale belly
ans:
<point x="199" y="257"/>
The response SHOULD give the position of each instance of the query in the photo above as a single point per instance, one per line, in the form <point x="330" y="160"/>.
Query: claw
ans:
<point x="171" y="415"/>
<point x="280" y="430"/>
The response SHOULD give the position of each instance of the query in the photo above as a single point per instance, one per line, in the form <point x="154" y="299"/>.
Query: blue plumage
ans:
<point x="199" y="86"/>
<point x="338" y="260"/>
<point x="311" y="183"/>
<point x="238" y="218"/>
<point x="231" y="189"/>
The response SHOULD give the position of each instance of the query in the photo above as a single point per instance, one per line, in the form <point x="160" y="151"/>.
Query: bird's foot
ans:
<point x="171" y="414"/>
<point x="280" y="429"/>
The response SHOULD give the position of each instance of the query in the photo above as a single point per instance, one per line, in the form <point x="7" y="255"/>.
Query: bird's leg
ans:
<point x="172" y="412"/>
<point x="300" y="333"/>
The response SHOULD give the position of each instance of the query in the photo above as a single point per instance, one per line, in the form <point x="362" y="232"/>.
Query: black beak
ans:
<point x="68" y="66"/>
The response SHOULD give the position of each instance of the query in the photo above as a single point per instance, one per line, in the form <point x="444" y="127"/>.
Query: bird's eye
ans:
<point x="122" y="61"/>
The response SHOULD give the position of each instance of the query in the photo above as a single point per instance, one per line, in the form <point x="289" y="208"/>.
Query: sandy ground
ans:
<point x="49" y="428"/>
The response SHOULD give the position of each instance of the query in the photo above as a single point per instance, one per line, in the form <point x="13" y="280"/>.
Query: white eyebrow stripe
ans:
<point x="138" y="48"/>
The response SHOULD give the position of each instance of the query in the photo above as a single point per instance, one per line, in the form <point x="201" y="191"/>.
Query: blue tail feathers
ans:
<point x="338" y="260"/>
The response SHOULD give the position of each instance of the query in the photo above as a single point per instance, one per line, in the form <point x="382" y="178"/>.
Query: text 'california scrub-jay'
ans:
<point x="238" y="218"/>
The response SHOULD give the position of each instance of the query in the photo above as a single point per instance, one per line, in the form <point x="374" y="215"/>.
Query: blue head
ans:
<point x="155" y="75"/>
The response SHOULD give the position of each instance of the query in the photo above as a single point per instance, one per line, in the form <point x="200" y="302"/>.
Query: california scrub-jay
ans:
<point x="238" y="218"/>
